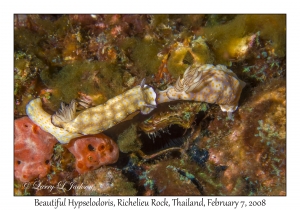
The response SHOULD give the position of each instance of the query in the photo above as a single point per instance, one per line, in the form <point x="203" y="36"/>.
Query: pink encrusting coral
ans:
<point x="33" y="149"/>
<point x="93" y="151"/>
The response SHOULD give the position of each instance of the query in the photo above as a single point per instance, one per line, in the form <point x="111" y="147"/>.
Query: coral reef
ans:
<point x="26" y="70"/>
<point x="172" y="175"/>
<point x="179" y="148"/>
<point x="33" y="149"/>
<point x="262" y="63"/>
<point x="105" y="181"/>
<point x="91" y="152"/>
<point x="230" y="41"/>
<point x="258" y="129"/>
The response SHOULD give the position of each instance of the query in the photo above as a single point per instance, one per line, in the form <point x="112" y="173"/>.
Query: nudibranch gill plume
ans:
<point x="41" y="118"/>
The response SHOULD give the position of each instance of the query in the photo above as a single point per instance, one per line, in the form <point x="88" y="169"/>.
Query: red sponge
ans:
<point x="93" y="151"/>
<point x="33" y="149"/>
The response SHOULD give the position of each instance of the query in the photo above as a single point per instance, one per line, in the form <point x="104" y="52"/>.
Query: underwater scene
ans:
<point x="150" y="104"/>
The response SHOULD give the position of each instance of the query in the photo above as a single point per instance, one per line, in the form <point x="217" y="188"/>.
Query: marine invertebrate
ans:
<point x="33" y="149"/>
<point x="182" y="114"/>
<point x="38" y="115"/>
<point x="93" y="151"/>
<point x="206" y="83"/>
<point x="97" y="119"/>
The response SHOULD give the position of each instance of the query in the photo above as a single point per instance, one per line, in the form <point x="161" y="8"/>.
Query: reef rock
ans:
<point x="33" y="149"/>
<point x="105" y="181"/>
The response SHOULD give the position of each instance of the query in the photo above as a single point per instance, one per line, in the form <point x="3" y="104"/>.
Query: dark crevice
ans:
<point x="172" y="136"/>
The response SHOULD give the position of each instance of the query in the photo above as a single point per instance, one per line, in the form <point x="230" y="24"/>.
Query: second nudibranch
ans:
<point x="206" y="83"/>
<point x="99" y="118"/>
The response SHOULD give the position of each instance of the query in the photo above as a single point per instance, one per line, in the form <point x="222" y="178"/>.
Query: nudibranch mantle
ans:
<point x="206" y="83"/>
<point x="99" y="118"/>
<point x="37" y="114"/>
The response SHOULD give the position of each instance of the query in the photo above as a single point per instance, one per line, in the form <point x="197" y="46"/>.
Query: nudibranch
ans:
<point x="41" y="118"/>
<point x="99" y="118"/>
<point x="206" y="83"/>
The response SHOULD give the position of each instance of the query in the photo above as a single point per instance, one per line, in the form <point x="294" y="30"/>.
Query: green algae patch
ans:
<point x="143" y="53"/>
<point x="222" y="37"/>
<point x="128" y="141"/>
<point x="54" y="41"/>
<point x="90" y="78"/>
<point x="175" y="63"/>
<point x="192" y="50"/>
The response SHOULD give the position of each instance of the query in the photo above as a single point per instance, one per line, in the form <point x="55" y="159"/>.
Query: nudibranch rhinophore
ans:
<point x="37" y="114"/>
<point x="206" y="83"/>
<point x="99" y="118"/>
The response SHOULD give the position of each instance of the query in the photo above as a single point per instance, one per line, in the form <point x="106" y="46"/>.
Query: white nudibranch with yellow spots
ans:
<point x="99" y="118"/>
<point x="206" y="83"/>
<point x="37" y="114"/>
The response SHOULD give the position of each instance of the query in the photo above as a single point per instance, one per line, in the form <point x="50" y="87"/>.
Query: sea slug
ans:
<point x="206" y="83"/>
<point x="37" y="114"/>
<point x="99" y="118"/>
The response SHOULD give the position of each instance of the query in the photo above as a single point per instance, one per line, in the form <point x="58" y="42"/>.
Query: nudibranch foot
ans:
<point x="150" y="106"/>
<point x="229" y="115"/>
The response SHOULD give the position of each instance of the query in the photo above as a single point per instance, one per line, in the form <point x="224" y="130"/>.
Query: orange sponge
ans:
<point x="93" y="151"/>
<point x="33" y="149"/>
